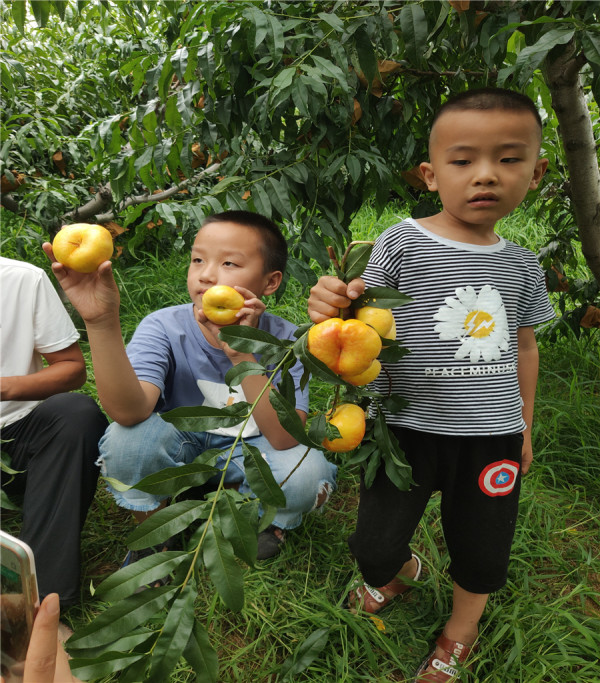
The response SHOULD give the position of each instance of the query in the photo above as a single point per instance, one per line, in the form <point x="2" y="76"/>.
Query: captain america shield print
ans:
<point x="498" y="479"/>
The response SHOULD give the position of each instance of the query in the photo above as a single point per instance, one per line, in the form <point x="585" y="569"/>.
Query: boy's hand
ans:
<point x="330" y="294"/>
<point x="527" y="452"/>
<point x="94" y="295"/>
<point x="248" y="315"/>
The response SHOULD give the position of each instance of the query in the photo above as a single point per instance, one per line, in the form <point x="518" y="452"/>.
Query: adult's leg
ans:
<point x="57" y="445"/>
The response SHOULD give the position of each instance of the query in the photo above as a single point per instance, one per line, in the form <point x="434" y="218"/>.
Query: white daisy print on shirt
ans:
<point x="478" y="321"/>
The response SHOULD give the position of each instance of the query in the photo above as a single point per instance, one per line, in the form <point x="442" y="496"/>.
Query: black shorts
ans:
<point x="479" y="478"/>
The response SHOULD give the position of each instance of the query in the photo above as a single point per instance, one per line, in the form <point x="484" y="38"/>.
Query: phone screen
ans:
<point x="18" y="600"/>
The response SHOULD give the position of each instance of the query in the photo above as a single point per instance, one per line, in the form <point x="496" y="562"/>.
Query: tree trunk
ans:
<point x="576" y="132"/>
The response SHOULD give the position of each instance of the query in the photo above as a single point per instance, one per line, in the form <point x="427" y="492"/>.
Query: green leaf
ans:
<point x="289" y="418"/>
<point x="394" y="403"/>
<point x="237" y="373"/>
<point x="280" y="197"/>
<point x="165" y="523"/>
<point x="19" y="11"/>
<point x="318" y="428"/>
<point x="224" y="571"/>
<point x="393" y="351"/>
<point x="261" y="200"/>
<point x="202" y="418"/>
<point x="171" y="480"/>
<point x="305" y="653"/>
<point x="250" y="339"/>
<point x="275" y="39"/>
<point x="141" y="573"/>
<point x="590" y="42"/>
<point x="202" y="656"/>
<point x="413" y="24"/>
<point x="366" y="54"/>
<point x="397" y="469"/>
<point x="6" y="503"/>
<point x="331" y="70"/>
<point x="123" y="617"/>
<point x="356" y="261"/>
<point x="41" y="11"/>
<point x="103" y="665"/>
<point x="260" y="478"/>
<point x="237" y="529"/>
<point x="224" y="184"/>
<point x="532" y="56"/>
<point x="261" y="26"/>
<point x="381" y="297"/>
<point x="174" y="636"/>
<point x="125" y="644"/>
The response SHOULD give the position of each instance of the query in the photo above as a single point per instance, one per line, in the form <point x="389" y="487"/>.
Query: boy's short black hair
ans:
<point x="273" y="245"/>
<point x="489" y="98"/>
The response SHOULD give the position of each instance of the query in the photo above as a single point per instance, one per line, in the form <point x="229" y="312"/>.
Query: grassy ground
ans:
<point x="544" y="626"/>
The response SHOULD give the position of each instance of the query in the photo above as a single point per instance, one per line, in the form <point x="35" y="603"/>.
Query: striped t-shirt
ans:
<point x="460" y="376"/>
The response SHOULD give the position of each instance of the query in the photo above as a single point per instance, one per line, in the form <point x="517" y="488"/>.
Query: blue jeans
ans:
<point x="129" y="454"/>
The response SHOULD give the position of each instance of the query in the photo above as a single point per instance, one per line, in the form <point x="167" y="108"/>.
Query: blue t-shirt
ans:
<point x="169" y="350"/>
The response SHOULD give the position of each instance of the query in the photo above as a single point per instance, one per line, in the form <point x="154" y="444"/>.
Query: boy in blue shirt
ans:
<point x="471" y="373"/>
<point x="176" y="358"/>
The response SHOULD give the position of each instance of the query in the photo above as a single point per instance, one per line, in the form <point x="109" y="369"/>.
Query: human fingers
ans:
<point x="40" y="662"/>
<point x="355" y="288"/>
<point x="326" y="299"/>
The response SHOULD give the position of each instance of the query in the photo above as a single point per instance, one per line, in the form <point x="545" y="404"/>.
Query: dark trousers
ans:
<point x="479" y="478"/>
<point x="57" y="446"/>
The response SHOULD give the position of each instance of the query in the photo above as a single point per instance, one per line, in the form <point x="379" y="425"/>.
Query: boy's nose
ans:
<point x="485" y="174"/>
<point x="208" y="275"/>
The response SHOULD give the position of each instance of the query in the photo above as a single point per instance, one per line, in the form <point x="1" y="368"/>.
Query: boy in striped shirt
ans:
<point x="471" y="373"/>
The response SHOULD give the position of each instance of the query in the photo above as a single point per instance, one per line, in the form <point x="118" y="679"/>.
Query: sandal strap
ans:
<point x="384" y="594"/>
<point x="458" y="651"/>
<point x="446" y="667"/>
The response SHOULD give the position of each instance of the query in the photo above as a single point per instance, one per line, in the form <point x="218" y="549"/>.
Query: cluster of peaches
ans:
<point x="350" y="349"/>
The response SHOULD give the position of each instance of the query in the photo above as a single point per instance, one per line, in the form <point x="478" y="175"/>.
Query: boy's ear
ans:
<point x="429" y="176"/>
<point x="538" y="173"/>
<point x="273" y="281"/>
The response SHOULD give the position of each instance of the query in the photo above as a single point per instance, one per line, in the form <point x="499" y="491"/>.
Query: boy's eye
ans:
<point x="460" y="162"/>
<point x="510" y="160"/>
<point x="229" y="263"/>
<point x="197" y="259"/>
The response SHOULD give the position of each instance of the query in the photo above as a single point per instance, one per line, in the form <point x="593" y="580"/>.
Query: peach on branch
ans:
<point x="351" y="423"/>
<point x="347" y="347"/>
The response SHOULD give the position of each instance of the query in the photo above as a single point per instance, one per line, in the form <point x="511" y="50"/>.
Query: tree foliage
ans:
<point x="157" y="114"/>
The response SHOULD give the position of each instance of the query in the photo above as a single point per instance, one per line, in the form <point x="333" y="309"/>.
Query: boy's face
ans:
<point x="482" y="163"/>
<point x="229" y="254"/>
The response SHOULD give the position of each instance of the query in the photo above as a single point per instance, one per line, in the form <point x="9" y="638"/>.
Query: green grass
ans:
<point x="543" y="626"/>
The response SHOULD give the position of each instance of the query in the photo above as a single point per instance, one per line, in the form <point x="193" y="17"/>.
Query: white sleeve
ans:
<point x="53" y="328"/>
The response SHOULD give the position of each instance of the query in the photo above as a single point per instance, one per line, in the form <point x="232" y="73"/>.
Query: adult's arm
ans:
<point x="65" y="372"/>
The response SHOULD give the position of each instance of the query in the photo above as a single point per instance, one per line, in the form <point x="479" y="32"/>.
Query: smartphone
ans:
<point x="19" y="601"/>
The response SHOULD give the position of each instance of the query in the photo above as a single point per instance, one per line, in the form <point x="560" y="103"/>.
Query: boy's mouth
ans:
<point x="483" y="199"/>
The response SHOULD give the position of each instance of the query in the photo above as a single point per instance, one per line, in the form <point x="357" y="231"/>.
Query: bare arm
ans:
<point x="123" y="396"/>
<point x="330" y="295"/>
<point x="527" y="373"/>
<point x="65" y="371"/>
